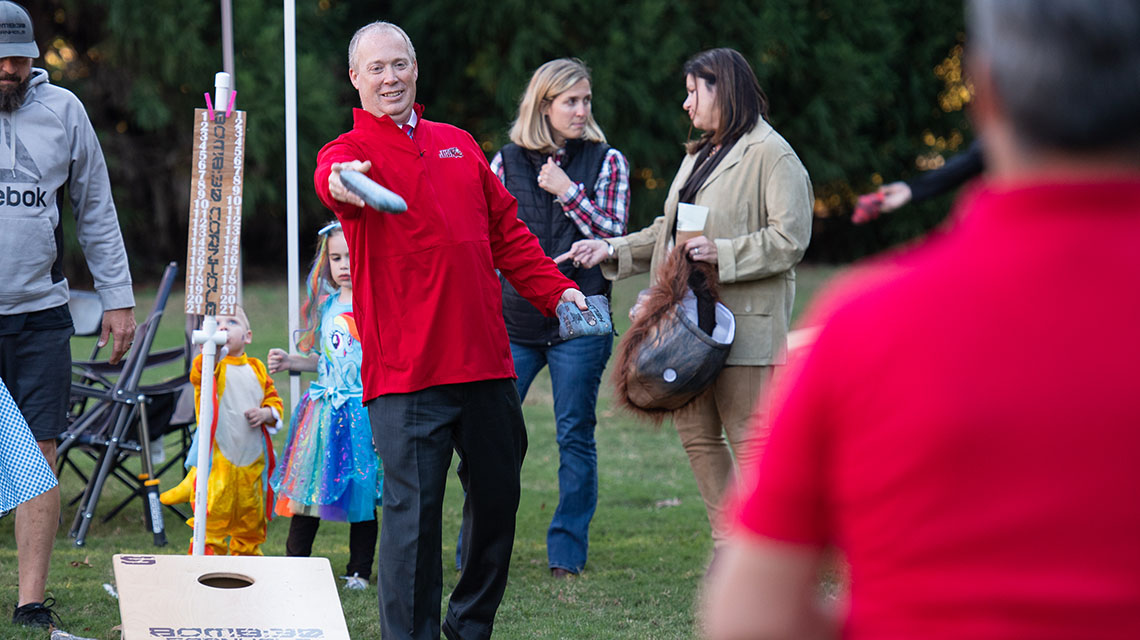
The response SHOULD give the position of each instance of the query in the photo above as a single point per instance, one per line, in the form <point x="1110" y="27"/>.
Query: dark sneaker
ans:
<point x="37" y="614"/>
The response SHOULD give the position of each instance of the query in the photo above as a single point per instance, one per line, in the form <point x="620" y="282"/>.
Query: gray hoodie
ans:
<point x="45" y="145"/>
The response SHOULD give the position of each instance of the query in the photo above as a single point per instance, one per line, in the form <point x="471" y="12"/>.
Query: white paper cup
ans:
<point x="690" y="221"/>
<point x="691" y="217"/>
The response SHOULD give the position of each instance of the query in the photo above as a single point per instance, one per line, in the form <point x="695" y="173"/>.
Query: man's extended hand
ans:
<point x="575" y="296"/>
<point x="119" y="324"/>
<point x="337" y="189"/>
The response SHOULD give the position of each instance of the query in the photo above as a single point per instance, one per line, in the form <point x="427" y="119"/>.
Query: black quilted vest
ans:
<point x="543" y="214"/>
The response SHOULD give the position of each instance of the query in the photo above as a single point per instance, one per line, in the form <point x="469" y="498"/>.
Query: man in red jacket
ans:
<point x="437" y="368"/>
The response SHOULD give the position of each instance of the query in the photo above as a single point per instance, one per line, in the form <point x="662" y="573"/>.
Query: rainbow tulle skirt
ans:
<point x="330" y="468"/>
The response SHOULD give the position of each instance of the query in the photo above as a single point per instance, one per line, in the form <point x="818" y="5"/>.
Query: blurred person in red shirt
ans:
<point x="962" y="432"/>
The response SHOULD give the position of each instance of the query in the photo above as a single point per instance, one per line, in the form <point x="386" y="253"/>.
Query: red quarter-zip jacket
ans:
<point x="427" y="299"/>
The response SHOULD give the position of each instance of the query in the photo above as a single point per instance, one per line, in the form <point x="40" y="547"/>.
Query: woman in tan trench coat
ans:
<point x="759" y="201"/>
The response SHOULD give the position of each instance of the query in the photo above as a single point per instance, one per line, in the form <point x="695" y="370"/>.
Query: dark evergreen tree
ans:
<point x="865" y="90"/>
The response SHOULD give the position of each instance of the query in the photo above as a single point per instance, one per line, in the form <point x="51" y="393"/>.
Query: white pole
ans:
<point x="210" y="339"/>
<point x="221" y="92"/>
<point x="291" y="187"/>
<point x="228" y="37"/>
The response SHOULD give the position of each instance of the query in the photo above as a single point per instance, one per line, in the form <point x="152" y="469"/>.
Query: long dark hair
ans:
<point x="739" y="98"/>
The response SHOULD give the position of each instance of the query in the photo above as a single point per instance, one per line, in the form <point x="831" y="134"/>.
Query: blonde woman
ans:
<point x="570" y="185"/>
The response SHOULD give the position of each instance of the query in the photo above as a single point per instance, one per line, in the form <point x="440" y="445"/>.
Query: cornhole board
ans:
<point x="223" y="597"/>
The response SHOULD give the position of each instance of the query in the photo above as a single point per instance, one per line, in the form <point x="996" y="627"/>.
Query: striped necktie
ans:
<point x="408" y="129"/>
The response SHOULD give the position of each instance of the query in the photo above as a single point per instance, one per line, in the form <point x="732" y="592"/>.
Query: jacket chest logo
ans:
<point x="450" y="152"/>
<point x="17" y="166"/>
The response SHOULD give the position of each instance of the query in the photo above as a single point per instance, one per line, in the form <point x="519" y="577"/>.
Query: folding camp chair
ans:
<point x="114" y="418"/>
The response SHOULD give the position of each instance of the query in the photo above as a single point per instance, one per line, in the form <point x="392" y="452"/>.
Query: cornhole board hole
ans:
<point x="181" y="597"/>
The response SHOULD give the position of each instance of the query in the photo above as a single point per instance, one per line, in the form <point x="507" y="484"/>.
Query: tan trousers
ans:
<point x="731" y="407"/>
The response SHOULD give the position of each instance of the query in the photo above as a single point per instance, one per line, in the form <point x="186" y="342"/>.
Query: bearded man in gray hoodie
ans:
<point x="48" y="147"/>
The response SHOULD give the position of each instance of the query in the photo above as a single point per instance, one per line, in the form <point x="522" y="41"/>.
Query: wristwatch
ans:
<point x="609" y="249"/>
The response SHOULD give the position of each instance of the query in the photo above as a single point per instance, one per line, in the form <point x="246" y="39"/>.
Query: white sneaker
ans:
<point x="58" y="634"/>
<point x="355" y="582"/>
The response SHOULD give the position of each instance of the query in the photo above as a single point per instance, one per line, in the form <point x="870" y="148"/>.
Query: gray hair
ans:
<point x="376" y="26"/>
<point x="1066" y="72"/>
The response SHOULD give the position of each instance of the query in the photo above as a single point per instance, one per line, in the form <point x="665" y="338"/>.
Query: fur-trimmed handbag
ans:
<point x="666" y="359"/>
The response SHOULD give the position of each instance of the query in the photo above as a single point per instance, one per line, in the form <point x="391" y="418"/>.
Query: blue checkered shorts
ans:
<point x="24" y="472"/>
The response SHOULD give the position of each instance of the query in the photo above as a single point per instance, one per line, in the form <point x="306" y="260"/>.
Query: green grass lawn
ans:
<point x="649" y="541"/>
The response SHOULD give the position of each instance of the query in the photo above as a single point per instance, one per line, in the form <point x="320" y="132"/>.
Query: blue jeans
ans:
<point x="576" y="368"/>
<point x="575" y="372"/>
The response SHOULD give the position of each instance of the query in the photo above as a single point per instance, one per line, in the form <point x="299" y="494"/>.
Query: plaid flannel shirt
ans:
<point x="606" y="215"/>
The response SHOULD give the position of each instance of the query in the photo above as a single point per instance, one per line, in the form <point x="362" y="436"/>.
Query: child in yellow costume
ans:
<point x="247" y="411"/>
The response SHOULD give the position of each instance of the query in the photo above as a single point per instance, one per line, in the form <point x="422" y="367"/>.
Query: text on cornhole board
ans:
<point x="214" y="241"/>
<point x="224" y="597"/>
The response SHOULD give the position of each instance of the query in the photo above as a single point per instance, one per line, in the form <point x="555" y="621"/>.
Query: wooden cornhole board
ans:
<point x="226" y="597"/>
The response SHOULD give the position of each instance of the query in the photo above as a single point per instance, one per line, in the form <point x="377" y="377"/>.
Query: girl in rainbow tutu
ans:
<point x="329" y="470"/>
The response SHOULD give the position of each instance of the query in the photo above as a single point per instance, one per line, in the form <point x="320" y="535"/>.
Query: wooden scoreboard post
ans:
<point x="214" y="242"/>
<point x="213" y="256"/>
